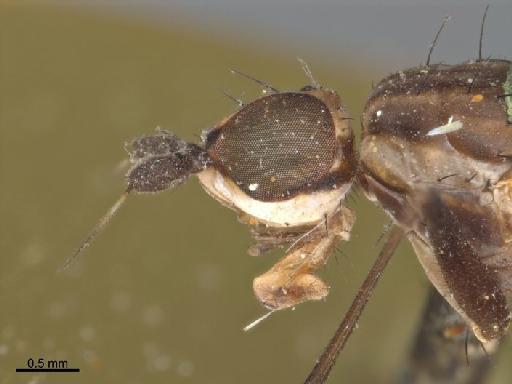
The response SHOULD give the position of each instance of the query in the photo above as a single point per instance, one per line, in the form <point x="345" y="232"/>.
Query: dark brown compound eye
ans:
<point x="285" y="162"/>
<point x="284" y="144"/>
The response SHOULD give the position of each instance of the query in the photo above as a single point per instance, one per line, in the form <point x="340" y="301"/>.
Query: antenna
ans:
<point x="482" y="32"/>
<point x="434" y="42"/>
<point x="96" y="230"/>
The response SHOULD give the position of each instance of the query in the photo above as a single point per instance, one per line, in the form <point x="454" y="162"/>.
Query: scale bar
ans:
<point x="47" y="369"/>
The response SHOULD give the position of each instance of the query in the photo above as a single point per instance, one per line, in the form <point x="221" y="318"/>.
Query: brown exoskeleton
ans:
<point x="436" y="155"/>
<point x="284" y="163"/>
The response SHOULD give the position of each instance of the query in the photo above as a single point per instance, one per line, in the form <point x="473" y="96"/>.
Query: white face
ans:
<point x="303" y="209"/>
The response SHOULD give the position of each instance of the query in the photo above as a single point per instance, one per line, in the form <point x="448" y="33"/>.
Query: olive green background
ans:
<point x="163" y="294"/>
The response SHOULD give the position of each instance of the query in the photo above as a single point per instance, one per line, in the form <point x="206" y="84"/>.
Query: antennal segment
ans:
<point x="96" y="230"/>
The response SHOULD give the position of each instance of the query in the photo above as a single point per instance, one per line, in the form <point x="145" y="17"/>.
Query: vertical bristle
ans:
<point x="266" y="86"/>
<point x="432" y="46"/>
<point x="482" y="33"/>
<point x="309" y="74"/>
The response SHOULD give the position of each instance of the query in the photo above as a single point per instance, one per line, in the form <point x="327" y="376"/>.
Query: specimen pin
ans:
<point x="325" y="363"/>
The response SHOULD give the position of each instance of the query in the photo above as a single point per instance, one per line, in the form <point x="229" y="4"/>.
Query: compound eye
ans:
<point x="285" y="144"/>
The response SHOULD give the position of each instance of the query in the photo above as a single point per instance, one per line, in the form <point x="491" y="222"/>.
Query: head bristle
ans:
<point x="309" y="74"/>
<point x="482" y="33"/>
<point x="266" y="86"/>
<point x="434" y="42"/>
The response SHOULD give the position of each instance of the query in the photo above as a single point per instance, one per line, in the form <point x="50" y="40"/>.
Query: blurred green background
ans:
<point x="163" y="294"/>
